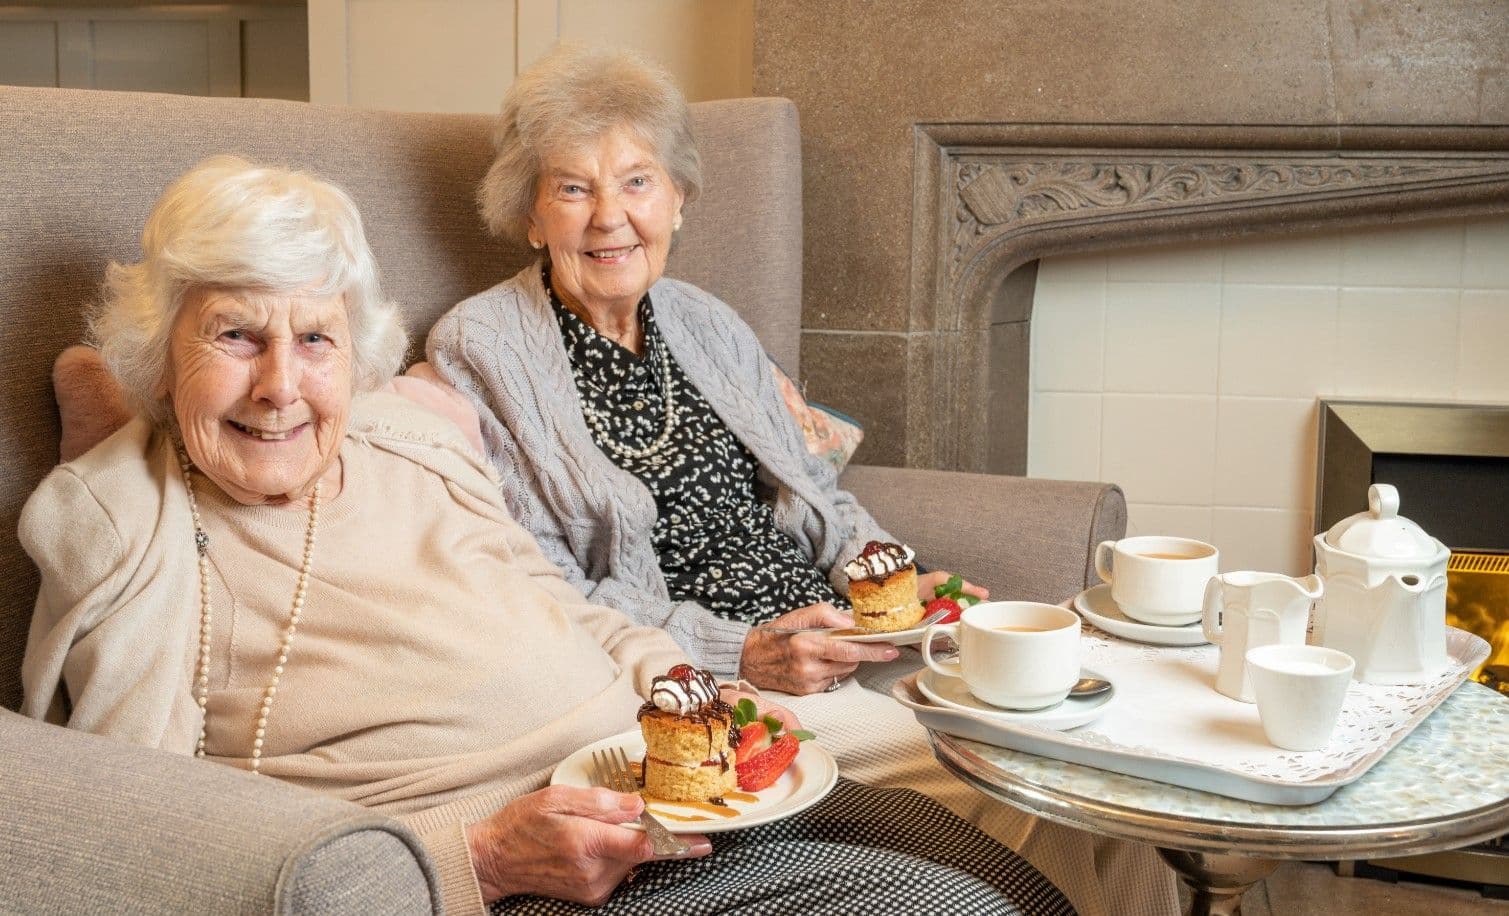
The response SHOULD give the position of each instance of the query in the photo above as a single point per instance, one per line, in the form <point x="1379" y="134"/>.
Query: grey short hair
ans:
<point x="231" y="225"/>
<point x="567" y="101"/>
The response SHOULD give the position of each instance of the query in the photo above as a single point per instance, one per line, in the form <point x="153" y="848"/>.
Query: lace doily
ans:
<point x="1169" y="709"/>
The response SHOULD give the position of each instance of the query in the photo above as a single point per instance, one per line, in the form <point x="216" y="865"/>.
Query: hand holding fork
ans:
<point x="611" y="770"/>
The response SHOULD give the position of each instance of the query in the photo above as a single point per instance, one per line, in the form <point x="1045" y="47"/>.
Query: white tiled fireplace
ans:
<point x="1189" y="375"/>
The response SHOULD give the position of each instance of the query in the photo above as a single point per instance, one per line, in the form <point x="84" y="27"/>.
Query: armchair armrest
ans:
<point x="1023" y="538"/>
<point x="91" y="825"/>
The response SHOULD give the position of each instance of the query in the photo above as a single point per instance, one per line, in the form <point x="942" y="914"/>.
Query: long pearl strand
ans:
<point x="667" y="393"/>
<point x="202" y="679"/>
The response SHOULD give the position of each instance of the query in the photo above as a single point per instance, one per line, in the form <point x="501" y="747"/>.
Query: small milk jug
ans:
<point x="1385" y="600"/>
<point x="1245" y="610"/>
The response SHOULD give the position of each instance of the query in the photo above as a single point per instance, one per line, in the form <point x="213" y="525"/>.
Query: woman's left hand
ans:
<point x="732" y="696"/>
<point x="928" y="583"/>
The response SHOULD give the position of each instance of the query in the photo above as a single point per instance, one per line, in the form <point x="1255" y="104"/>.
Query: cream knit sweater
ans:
<point x="442" y="665"/>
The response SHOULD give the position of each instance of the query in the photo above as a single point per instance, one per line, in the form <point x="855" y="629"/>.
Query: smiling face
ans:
<point x="607" y="214"/>
<point x="261" y="387"/>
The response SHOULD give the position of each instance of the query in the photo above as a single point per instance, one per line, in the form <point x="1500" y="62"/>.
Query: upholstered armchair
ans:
<point x="88" y="824"/>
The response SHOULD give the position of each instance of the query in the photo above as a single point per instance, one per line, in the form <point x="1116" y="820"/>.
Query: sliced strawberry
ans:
<point x="943" y="604"/>
<point x="764" y="768"/>
<point x="753" y="739"/>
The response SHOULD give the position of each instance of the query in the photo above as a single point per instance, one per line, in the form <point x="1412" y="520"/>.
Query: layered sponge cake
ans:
<point x="883" y="587"/>
<point x="689" y="735"/>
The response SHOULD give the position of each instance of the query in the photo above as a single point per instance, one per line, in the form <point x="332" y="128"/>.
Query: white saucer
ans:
<point x="1071" y="713"/>
<point x="1097" y="606"/>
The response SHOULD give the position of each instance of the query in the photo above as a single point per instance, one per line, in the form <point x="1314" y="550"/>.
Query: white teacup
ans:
<point x="1012" y="654"/>
<point x="1158" y="580"/>
<point x="1300" y="691"/>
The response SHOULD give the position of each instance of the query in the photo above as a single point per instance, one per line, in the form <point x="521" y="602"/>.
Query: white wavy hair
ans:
<point x="230" y="225"/>
<point x="566" y="102"/>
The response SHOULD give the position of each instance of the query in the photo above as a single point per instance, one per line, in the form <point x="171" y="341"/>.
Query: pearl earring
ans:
<point x="676" y="226"/>
<point x="536" y="244"/>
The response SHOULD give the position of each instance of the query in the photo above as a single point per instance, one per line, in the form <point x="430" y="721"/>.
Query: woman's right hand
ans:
<point x="803" y="663"/>
<point x="563" y="842"/>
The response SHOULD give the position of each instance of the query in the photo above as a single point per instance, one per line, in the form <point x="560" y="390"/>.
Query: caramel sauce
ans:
<point x="688" y="818"/>
<point x="708" y="807"/>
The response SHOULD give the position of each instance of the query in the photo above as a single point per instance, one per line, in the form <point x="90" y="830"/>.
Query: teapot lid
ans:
<point x="1382" y="531"/>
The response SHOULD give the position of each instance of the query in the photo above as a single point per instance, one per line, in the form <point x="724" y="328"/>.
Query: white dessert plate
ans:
<point x="804" y="783"/>
<point x="1096" y="605"/>
<point x="1071" y="713"/>
<point x="908" y="637"/>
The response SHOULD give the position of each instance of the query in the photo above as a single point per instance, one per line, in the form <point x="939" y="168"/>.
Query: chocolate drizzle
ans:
<point x="716" y="711"/>
<point x="878" y="561"/>
<point x="684" y="685"/>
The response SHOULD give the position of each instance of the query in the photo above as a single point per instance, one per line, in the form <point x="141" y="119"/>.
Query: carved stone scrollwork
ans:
<point x="1011" y="192"/>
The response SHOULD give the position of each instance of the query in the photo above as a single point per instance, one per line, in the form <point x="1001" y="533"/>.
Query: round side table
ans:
<point x="1445" y="786"/>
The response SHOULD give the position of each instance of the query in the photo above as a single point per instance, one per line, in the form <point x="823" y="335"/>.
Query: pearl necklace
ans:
<point x="202" y="680"/>
<point x="672" y="416"/>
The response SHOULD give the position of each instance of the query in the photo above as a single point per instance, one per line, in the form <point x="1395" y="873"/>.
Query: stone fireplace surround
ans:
<point x="992" y="198"/>
<point x="901" y="99"/>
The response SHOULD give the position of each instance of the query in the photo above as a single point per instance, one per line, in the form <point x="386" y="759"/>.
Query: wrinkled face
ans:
<point x="607" y="214"/>
<point x="261" y="384"/>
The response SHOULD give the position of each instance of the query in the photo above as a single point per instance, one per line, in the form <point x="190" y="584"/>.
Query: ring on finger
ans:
<point x="831" y="687"/>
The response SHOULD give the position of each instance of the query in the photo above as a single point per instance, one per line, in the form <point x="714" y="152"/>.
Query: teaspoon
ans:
<point x="1089" y="687"/>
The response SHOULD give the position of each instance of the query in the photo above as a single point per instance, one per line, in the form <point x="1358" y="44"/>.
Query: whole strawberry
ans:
<point x="944" y="604"/>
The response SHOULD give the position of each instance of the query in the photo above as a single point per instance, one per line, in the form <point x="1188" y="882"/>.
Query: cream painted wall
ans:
<point x="1189" y="375"/>
<point x="220" y="49"/>
<point x="460" y="55"/>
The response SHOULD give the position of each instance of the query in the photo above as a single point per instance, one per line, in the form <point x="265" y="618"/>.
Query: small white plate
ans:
<point x="1096" y="605"/>
<point x="1071" y="713"/>
<point x="908" y="637"/>
<point x="810" y="777"/>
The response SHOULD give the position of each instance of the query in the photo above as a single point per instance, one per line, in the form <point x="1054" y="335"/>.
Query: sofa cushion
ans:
<point x="830" y="435"/>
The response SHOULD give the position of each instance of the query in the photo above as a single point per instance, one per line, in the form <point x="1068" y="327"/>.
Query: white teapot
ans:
<point x="1385" y="593"/>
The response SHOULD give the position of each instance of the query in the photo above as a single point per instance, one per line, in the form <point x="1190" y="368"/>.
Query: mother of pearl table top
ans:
<point x="1446" y="785"/>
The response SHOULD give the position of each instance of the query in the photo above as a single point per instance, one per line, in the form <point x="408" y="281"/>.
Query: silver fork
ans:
<point x="611" y="771"/>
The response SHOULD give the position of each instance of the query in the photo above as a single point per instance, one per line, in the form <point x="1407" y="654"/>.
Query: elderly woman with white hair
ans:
<point x="641" y="437"/>
<point x="275" y="568"/>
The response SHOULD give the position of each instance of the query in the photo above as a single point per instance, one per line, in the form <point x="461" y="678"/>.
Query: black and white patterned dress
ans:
<point x="860" y="850"/>
<point x="715" y="537"/>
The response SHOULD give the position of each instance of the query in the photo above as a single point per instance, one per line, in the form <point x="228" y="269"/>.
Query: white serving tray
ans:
<point x="1172" y="726"/>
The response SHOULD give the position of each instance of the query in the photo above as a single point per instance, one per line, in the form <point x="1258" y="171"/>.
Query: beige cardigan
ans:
<point x="517" y="675"/>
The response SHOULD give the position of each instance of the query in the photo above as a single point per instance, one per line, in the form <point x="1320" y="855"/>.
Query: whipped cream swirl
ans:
<point x="877" y="560"/>
<point x="684" y="695"/>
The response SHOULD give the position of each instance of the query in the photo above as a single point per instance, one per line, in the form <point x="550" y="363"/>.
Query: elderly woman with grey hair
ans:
<point x="636" y="419"/>
<point x="277" y="568"/>
<point x="640" y="435"/>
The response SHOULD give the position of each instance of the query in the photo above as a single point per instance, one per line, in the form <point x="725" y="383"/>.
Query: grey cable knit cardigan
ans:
<point x="503" y="349"/>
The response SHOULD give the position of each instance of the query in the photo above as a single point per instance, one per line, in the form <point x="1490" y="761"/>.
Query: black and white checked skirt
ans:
<point x="859" y="850"/>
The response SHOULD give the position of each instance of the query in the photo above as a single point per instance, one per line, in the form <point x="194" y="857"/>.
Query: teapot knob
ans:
<point x="1383" y="500"/>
